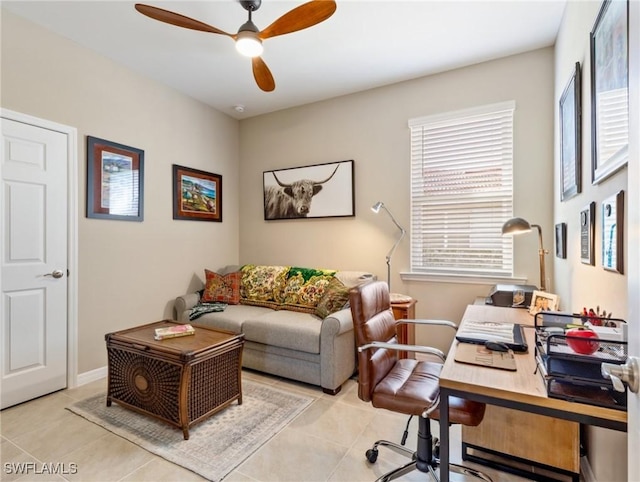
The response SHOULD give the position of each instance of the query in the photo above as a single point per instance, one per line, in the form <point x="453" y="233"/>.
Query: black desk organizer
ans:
<point x="573" y="376"/>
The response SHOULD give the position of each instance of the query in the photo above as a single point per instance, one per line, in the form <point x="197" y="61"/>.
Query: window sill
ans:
<point x="464" y="279"/>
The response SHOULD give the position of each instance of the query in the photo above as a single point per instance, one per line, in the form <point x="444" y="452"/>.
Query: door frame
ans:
<point x="72" y="232"/>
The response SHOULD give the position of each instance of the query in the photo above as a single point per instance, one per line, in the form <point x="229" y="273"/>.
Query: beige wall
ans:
<point x="579" y="284"/>
<point x="371" y="128"/>
<point x="129" y="272"/>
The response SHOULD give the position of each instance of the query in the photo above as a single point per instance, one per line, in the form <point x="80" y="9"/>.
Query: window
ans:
<point x="462" y="192"/>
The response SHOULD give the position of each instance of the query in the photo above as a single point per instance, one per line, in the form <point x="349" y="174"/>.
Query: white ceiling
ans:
<point x="365" y="44"/>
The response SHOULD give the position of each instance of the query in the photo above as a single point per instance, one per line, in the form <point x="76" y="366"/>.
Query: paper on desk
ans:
<point x="487" y="330"/>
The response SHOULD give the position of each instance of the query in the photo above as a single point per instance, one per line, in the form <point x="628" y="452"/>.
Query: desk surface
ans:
<point x="524" y="386"/>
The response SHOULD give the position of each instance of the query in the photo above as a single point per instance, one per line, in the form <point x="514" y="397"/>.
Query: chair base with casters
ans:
<point x="403" y="385"/>
<point x="423" y="459"/>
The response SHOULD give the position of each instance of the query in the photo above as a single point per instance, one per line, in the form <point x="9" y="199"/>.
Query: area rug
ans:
<point x="217" y="445"/>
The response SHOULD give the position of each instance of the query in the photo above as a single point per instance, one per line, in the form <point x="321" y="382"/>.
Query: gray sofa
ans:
<point x="292" y="344"/>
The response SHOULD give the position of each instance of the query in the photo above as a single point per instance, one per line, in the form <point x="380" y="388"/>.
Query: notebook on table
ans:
<point x="479" y="332"/>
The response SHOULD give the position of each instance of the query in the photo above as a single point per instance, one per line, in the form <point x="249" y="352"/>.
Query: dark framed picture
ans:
<point x="561" y="240"/>
<point x="571" y="136"/>
<point x="316" y="191"/>
<point x="609" y="90"/>
<point x="587" y="234"/>
<point x="197" y="195"/>
<point x="613" y="232"/>
<point x="115" y="180"/>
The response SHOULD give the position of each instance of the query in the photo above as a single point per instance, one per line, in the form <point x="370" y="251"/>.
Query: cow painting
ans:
<point x="291" y="200"/>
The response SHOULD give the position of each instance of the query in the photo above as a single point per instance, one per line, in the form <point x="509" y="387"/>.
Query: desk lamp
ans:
<point x="376" y="209"/>
<point x="519" y="226"/>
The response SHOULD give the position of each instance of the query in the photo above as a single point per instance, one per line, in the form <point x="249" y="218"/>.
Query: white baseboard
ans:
<point x="586" y="474"/>
<point x="92" y="376"/>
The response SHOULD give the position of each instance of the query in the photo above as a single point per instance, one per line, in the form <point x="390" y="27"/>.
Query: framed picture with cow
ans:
<point x="197" y="195"/>
<point x="316" y="191"/>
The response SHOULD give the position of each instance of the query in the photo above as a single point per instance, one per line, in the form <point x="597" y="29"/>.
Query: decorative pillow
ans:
<point x="335" y="298"/>
<point x="221" y="289"/>
<point x="262" y="283"/>
<point x="305" y="288"/>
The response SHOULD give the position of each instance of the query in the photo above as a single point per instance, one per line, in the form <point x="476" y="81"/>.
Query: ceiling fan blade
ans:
<point x="262" y="74"/>
<point x="176" y="19"/>
<point x="304" y="16"/>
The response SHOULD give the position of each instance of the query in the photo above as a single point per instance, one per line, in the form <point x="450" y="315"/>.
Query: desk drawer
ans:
<point x="538" y="438"/>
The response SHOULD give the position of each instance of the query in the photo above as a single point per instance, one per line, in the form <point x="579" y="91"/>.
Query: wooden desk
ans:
<point x="521" y="390"/>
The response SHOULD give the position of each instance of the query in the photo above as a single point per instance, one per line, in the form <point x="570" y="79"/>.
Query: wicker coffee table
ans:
<point x="178" y="380"/>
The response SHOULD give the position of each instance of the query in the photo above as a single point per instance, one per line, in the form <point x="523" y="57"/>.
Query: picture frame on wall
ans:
<point x="609" y="90"/>
<point x="315" y="191"/>
<point x="587" y="233"/>
<point x="613" y="232"/>
<point x="197" y="195"/>
<point x="561" y="240"/>
<point x="115" y="181"/>
<point x="571" y="136"/>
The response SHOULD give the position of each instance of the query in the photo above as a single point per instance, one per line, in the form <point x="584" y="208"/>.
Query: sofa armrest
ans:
<point x="185" y="302"/>
<point x="337" y="323"/>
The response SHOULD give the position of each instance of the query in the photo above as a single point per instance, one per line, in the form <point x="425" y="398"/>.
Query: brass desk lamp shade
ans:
<point x="519" y="226"/>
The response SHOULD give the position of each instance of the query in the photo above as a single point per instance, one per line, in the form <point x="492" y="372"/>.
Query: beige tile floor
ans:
<point x="326" y="442"/>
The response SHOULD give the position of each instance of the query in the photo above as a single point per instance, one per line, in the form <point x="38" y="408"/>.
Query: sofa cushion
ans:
<point x="335" y="298"/>
<point x="260" y="284"/>
<point x="305" y="288"/>
<point x="286" y="329"/>
<point x="232" y="318"/>
<point x="221" y="288"/>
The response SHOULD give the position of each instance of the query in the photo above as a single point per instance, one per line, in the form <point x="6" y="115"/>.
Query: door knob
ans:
<point x="628" y="373"/>
<point x="56" y="273"/>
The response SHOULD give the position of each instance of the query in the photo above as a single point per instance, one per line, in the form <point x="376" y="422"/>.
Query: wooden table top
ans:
<point x="204" y="339"/>
<point x="524" y="385"/>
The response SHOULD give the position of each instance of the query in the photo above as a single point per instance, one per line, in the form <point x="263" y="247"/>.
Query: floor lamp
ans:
<point x="376" y="209"/>
<point x="519" y="226"/>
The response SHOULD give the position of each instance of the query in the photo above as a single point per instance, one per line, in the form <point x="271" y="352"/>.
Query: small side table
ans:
<point x="405" y="310"/>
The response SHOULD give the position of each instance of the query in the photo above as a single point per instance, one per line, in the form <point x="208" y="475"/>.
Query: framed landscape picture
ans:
<point x="316" y="191"/>
<point x="609" y="90"/>
<point x="115" y="181"/>
<point x="197" y="195"/>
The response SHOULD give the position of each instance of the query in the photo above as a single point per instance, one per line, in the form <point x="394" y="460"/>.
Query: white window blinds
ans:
<point x="462" y="192"/>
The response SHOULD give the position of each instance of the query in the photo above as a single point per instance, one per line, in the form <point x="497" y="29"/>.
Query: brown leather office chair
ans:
<point x="402" y="385"/>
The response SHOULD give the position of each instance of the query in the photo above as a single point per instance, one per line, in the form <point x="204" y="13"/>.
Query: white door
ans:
<point x="33" y="233"/>
<point x="633" y="236"/>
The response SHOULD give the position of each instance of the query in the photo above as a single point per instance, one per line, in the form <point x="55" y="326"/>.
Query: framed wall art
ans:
<point x="587" y="233"/>
<point x="115" y="181"/>
<point x="613" y="232"/>
<point x="316" y="191"/>
<point x="571" y="137"/>
<point x="561" y="240"/>
<point x="609" y="90"/>
<point x="197" y="195"/>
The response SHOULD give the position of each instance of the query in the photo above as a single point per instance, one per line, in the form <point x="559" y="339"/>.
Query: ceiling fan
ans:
<point x="249" y="38"/>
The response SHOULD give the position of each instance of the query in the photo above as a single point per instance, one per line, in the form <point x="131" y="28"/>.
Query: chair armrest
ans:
<point x="446" y="323"/>
<point x="398" y="347"/>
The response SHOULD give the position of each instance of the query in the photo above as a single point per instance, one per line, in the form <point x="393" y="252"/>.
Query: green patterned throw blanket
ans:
<point x="204" y="308"/>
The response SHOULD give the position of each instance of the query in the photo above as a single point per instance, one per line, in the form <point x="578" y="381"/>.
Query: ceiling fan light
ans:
<point x="248" y="44"/>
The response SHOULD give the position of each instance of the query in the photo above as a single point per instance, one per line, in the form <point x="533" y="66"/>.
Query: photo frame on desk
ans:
<point x="587" y="233"/>
<point x="542" y="301"/>
<point x="613" y="232"/>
